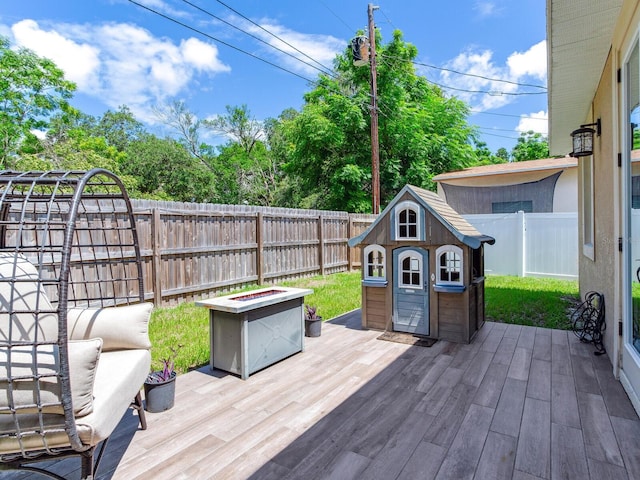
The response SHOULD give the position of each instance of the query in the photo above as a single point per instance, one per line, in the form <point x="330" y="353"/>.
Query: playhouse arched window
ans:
<point x="408" y="221"/>
<point x="410" y="274"/>
<point x="449" y="264"/>
<point x="374" y="256"/>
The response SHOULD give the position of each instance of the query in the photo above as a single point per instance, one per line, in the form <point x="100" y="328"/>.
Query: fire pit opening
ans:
<point x="252" y="296"/>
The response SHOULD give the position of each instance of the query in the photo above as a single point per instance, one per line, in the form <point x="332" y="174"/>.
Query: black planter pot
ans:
<point x="312" y="328"/>
<point x="159" y="396"/>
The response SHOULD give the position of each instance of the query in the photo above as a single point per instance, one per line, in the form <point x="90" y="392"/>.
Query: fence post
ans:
<point x="321" y="244"/>
<point x="522" y="250"/>
<point x="259" y="255"/>
<point x="156" y="263"/>
<point x="349" y="253"/>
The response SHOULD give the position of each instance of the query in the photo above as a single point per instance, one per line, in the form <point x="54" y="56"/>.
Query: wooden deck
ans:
<point x="519" y="402"/>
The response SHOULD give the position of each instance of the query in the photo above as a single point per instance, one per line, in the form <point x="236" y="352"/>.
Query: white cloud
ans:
<point x="486" y="8"/>
<point x="482" y="90"/>
<point x="531" y="63"/>
<point x="80" y="62"/>
<point x="121" y="63"/>
<point x="536" y="121"/>
<point x="200" y="55"/>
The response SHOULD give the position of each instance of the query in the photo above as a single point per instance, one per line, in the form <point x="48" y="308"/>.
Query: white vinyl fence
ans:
<point x="530" y="244"/>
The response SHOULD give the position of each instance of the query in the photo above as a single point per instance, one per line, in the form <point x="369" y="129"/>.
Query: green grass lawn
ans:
<point x="541" y="302"/>
<point x="527" y="301"/>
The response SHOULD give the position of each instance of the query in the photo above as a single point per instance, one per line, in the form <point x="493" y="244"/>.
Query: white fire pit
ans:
<point x="250" y="331"/>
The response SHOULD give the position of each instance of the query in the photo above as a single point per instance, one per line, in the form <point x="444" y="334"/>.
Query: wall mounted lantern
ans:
<point x="582" y="139"/>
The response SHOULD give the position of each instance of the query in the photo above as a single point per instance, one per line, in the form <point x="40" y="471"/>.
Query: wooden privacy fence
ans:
<point x="192" y="251"/>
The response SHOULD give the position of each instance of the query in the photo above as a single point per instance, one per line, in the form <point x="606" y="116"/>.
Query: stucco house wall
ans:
<point x="600" y="271"/>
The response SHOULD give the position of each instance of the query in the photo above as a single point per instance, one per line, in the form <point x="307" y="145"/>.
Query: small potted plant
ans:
<point x="312" y="321"/>
<point x="160" y="385"/>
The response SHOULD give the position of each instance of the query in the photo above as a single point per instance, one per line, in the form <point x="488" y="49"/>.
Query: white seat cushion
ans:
<point x="119" y="377"/>
<point x="35" y="383"/>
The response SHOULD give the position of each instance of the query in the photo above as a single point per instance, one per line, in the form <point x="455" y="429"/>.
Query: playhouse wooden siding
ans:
<point x="448" y="312"/>
<point x="453" y="313"/>
<point x="452" y="316"/>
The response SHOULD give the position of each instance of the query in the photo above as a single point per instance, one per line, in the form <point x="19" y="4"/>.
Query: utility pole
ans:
<point x="375" y="148"/>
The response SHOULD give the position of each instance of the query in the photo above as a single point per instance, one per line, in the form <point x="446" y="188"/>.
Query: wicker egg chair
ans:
<point x="74" y="345"/>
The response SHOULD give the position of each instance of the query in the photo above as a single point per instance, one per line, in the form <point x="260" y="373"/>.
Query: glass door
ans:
<point x="631" y="205"/>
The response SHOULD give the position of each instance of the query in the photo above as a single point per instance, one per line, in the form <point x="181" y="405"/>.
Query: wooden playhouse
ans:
<point x="422" y="269"/>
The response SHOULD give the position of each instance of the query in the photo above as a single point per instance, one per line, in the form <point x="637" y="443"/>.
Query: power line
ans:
<point x="351" y="30"/>
<point x="466" y="74"/>
<point x="200" y="32"/>
<point x="507" y="115"/>
<point x="388" y="19"/>
<point x="481" y="76"/>
<point x="501" y="136"/>
<point x="193" y="29"/>
<point x="313" y="82"/>
<point x="496" y="129"/>
<point x="487" y="92"/>
<point x="272" y="34"/>
<point x="256" y="37"/>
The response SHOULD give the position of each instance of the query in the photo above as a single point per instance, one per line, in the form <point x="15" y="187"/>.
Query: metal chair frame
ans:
<point x="78" y="229"/>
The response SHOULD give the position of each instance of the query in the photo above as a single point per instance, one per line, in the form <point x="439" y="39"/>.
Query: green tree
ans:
<point x="530" y="146"/>
<point x="239" y="125"/>
<point x="32" y="89"/>
<point x="288" y="192"/>
<point x="164" y="169"/>
<point x="503" y="154"/>
<point x="246" y="160"/>
<point x="119" y="128"/>
<point x="188" y="127"/>
<point x="76" y="151"/>
<point x="484" y="155"/>
<point x="422" y="132"/>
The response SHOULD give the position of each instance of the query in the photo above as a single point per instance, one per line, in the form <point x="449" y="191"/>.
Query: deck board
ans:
<point x="518" y="402"/>
<point x="534" y="453"/>
<point x="497" y="458"/>
<point x="568" y="456"/>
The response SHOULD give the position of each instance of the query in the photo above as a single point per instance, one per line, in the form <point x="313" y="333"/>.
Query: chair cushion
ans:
<point x="26" y="312"/>
<point x="83" y="367"/>
<point x="119" y="377"/>
<point x="54" y="437"/>
<point x="118" y="380"/>
<point x="124" y="327"/>
<point x="31" y="379"/>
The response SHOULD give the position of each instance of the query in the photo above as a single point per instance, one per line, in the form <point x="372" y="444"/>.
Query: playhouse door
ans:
<point x="411" y="290"/>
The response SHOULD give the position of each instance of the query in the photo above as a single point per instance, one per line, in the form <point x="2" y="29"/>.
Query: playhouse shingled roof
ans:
<point x="452" y="220"/>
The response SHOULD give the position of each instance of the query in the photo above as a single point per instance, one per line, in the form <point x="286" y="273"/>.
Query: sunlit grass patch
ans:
<point x="541" y="302"/>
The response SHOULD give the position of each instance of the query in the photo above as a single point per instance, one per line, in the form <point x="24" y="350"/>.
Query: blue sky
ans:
<point x="119" y="53"/>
